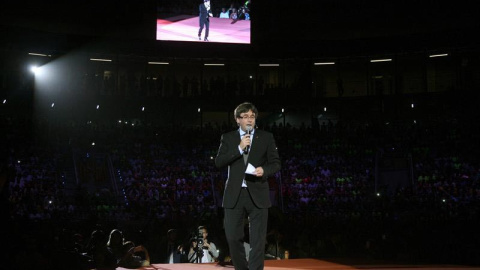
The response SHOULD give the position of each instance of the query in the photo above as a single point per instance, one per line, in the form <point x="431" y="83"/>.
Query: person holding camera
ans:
<point x="201" y="250"/>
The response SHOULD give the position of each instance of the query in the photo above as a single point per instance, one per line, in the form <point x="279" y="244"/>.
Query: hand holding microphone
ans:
<point x="246" y="141"/>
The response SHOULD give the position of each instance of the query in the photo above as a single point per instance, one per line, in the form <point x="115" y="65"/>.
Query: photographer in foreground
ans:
<point x="201" y="250"/>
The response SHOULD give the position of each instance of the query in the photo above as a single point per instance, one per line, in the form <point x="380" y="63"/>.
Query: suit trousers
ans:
<point x="234" y="231"/>
<point x="206" y="23"/>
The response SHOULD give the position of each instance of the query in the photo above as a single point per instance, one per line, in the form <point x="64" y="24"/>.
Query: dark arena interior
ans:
<point x="111" y="123"/>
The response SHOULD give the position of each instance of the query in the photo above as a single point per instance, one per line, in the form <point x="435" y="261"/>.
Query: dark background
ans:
<point x="280" y="28"/>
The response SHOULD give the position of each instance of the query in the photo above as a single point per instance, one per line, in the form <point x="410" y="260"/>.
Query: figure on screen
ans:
<point x="204" y="18"/>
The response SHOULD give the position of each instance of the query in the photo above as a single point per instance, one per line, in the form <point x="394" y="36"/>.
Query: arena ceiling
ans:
<point x="281" y="28"/>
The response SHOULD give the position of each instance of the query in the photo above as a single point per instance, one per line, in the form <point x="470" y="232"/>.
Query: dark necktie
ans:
<point x="245" y="157"/>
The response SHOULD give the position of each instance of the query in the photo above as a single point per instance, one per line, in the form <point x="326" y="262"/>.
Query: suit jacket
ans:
<point x="263" y="152"/>
<point x="203" y="13"/>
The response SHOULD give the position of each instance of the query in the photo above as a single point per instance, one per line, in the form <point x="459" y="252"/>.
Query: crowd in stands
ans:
<point x="326" y="202"/>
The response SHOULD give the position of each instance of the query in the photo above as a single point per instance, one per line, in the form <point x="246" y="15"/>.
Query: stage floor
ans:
<point x="312" y="264"/>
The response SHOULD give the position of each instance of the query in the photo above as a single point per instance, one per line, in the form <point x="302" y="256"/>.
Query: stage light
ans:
<point x="100" y="60"/>
<point x="323" y="63"/>
<point x="34" y="69"/>
<point x="40" y="54"/>
<point x="268" y="65"/>
<point x="4" y="101"/>
<point x="158" y="63"/>
<point x="380" y="60"/>
<point x="438" y="55"/>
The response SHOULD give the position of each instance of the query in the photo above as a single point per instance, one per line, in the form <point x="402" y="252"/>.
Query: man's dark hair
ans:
<point x="245" y="107"/>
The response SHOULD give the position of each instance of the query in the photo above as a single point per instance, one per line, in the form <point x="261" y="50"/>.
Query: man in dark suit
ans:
<point x="247" y="195"/>
<point x="204" y="18"/>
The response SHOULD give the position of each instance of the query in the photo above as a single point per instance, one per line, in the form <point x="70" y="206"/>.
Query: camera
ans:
<point x="200" y="239"/>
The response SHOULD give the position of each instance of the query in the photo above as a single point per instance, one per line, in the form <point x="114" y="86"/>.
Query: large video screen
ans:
<point x="204" y="21"/>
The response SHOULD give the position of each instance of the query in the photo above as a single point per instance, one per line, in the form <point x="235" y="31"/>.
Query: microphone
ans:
<point x="249" y="131"/>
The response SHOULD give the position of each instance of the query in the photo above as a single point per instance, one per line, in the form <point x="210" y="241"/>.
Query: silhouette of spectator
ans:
<point x="115" y="244"/>
<point x="96" y="248"/>
<point x="172" y="250"/>
<point x="134" y="256"/>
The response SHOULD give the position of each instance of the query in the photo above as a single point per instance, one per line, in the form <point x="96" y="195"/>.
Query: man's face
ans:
<point x="207" y="4"/>
<point x="246" y="119"/>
